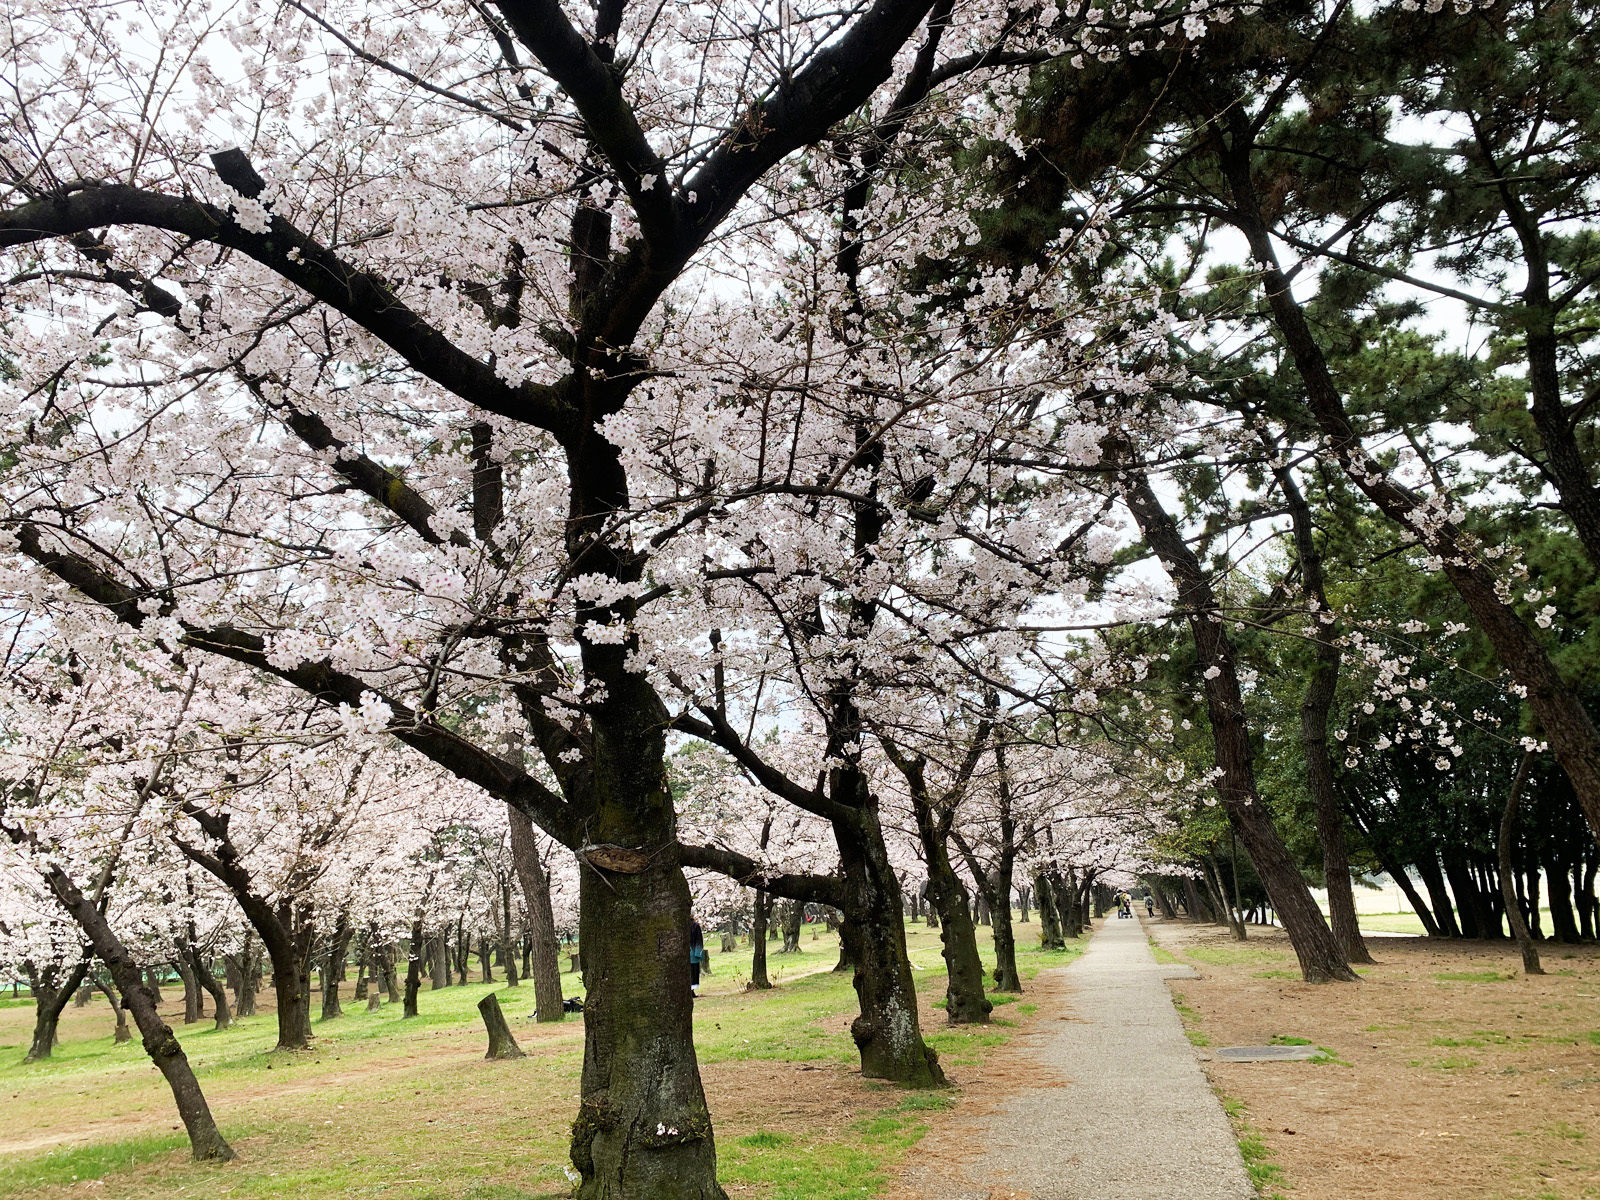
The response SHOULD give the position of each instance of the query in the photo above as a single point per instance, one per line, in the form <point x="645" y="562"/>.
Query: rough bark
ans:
<point x="501" y="1043"/>
<point x="535" y="881"/>
<point x="1050" y="937"/>
<point x="192" y="1008"/>
<point x="1508" y="827"/>
<point x="794" y="913"/>
<point x="51" y="993"/>
<point x="887" y="1032"/>
<point x="1320" y="955"/>
<point x="965" y="1002"/>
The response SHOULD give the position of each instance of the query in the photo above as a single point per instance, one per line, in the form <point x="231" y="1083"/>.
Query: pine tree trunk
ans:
<point x="1508" y="820"/>
<point x="1558" y="885"/>
<point x="1315" y="705"/>
<point x="1320" y="954"/>
<point x="1584" y="888"/>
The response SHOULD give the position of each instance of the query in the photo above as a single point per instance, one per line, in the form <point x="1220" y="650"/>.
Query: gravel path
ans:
<point x="1136" y="1119"/>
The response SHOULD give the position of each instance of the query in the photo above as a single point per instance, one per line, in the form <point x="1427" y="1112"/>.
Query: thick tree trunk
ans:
<point x="545" y="959"/>
<point x="887" y="1032"/>
<point x="51" y="993"/>
<point x="1508" y="823"/>
<point x="1564" y="926"/>
<point x="501" y="1043"/>
<point x="760" y="910"/>
<point x="643" y="1130"/>
<point x="291" y="990"/>
<point x="160" y="1043"/>
<point x="1050" y="936"/>
<point x="1321" y="956"/>
<point x="965" y="1002"/>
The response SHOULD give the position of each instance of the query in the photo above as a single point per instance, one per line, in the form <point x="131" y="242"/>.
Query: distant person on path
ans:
<point x="697" y="955"/>
<point x="1149" y="905"/>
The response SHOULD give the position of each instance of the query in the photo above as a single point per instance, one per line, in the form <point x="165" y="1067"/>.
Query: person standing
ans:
<point x="697" y="955"/>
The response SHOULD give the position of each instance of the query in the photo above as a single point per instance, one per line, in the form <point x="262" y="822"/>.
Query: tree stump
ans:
<point x="374" y="998"/>
<point x="501" y="1043"/>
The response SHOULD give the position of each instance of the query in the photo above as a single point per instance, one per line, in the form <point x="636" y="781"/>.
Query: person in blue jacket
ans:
<point x="697" y="955"/>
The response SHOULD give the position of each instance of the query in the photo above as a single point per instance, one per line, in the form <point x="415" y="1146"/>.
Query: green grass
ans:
<point x="1474" y="976"/>
<point x="1231" y="956"/>
<point x="1409" y="922"/>
<point x="1164" y="956"/>
<point x="1258" y="1164"/>
<point x="386" y="1106"/>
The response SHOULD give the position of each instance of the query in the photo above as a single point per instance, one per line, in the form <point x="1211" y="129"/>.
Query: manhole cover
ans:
<point x="1266" y="1053"/>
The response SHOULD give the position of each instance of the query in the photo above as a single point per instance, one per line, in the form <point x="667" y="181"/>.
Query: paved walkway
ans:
<point x="1136" y="1119"/>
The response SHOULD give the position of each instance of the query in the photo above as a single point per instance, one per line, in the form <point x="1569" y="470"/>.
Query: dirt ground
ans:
<point x="1447" y="1073"/>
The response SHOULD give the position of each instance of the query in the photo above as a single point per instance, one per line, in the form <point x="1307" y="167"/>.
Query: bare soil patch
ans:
<point x="1451" y="1074"/>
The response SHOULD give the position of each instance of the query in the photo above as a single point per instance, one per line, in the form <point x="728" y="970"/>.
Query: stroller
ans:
<point x="1124" y="906"/>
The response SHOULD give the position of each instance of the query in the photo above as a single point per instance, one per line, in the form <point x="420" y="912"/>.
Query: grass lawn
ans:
<point x="1409" y="922"/>
<point x="388" y="1107"/>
